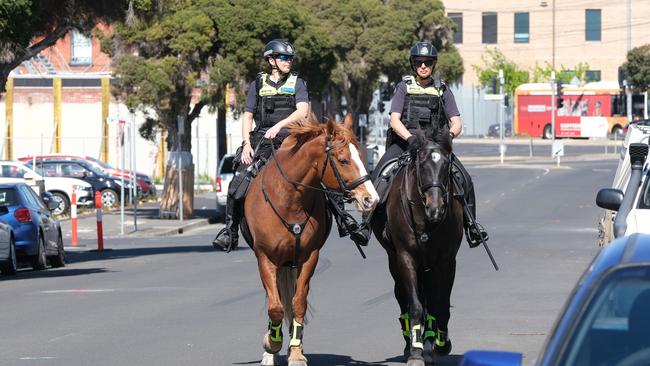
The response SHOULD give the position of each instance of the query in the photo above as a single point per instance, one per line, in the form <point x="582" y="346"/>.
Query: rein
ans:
<point x="297" y="228"/>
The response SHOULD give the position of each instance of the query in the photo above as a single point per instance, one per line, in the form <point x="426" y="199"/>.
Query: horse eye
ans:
<point x="344" y="162"/>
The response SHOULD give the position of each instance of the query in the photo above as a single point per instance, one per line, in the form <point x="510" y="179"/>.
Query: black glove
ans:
<point x="414" y="144"/>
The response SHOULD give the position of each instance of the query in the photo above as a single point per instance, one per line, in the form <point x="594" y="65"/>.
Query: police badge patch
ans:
<point x="424" y="51"/>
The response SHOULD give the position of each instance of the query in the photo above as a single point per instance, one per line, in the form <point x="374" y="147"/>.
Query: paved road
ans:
<point x="175" y="301"/>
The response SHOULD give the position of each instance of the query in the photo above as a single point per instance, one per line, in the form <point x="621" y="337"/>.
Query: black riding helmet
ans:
<point x="423" y="50"/>
<point x="278" y="47"/>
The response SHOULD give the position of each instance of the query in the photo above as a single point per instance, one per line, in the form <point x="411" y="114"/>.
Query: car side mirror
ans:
<point x="491" y="358"/>
<point x="4" y="210"/>
<point x="609" y="198"/>
<point x="49" y="201"/>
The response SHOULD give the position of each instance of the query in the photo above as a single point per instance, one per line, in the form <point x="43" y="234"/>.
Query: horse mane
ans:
<point x="439" y="136"/>
<point x="302" y="132"/>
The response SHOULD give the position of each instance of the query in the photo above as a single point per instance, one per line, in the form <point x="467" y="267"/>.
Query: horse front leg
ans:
<point x="445" y="274"/>
<point x="407" y="273"/>
<point x="402" y="301"/>
<point x="299" y="305"/>
<point x="273" y="337"/>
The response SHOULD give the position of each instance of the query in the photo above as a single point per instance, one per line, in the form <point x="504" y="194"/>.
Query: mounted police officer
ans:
<point x="273" y="101"/>
<point x="421" y="102"/>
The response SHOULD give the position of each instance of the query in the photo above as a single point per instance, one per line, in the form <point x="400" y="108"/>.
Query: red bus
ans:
<point x="592" y="110"/>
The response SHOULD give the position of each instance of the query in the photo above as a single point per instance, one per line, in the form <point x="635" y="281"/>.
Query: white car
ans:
<point x="8" y="262"/>
<point x="224" y="176"/>
<point x="60" y="187"/>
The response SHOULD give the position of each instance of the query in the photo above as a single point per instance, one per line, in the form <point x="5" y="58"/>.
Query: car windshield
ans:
<point x="614" y="325"/>
<point x="8" y="197"/>
<point x="101" y="163"/>
<point x="226" y="165"/>
<point x="94" y="169"/>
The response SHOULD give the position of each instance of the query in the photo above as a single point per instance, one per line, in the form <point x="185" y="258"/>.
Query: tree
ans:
<point x="637" y="67"/>
<point x="29" y="26"/>
<point x="564" y="75"/>
<point x="172" y="49"/>
<point x="494" y="60"/>
<point x="372" y="38"/>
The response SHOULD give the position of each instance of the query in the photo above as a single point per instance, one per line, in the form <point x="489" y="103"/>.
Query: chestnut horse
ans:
<point x="286" y="220"/>
<point x="421" y="229"/>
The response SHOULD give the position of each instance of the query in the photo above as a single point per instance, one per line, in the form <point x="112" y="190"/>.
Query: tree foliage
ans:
<point x="494" y="60"/>
<point x="637" y="67"/>
<point x="373" y="38"/>
<point x="29" y="26"/>
<point x="564" y="75"/>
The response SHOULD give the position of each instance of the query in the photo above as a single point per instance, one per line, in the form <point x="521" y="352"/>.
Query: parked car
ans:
<point x="224" y="176"/>
<point x="495" y="130"/>
<point x="109" y="187"/>
<point x="605" y="321"/>
<point x="144" y="181"/>
<point x="60" y="187"/>
<point x="8" y="261"/>
<point x="37" y="233"/>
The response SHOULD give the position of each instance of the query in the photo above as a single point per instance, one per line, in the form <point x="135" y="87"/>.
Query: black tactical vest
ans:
<point x="423" y="107"/>
<point x="274" y="104"/>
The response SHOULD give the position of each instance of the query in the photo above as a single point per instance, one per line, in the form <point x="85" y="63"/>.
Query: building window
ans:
<point x="82" y="49"/>
<point x="458" y="19"/>
<point x="522" y="27"/>
<point x="592" y="24"/>
<point x="489" y="28"/>
<point x="592" y="75"/>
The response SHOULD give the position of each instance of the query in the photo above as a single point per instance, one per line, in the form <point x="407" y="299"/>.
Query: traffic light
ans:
<point x="381" y="106"/>
<point x="560" y="101"/>
<point x="384" y="90"/>
<point x="493" y="83"/>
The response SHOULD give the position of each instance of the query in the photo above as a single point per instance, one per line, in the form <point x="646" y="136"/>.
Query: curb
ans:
<point x="182" y="229"/>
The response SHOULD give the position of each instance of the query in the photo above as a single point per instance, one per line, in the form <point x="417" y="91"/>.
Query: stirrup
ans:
<point x="220" y="242"/>
<point x="476" y="235"/>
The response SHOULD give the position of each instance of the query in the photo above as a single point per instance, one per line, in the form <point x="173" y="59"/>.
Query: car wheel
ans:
<point x="617" y="132"/>
<point x="63" y="202"/>
<point x="59" y="259"/>
<point x="11" y="265"/>
<point x="548" y="134"/>
<point x="109" y="198"/>
<point x="39" y="261"/>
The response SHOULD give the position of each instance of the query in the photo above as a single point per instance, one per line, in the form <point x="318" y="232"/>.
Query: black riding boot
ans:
<point x="346" y="224"/>
<point x="362" y="235"/>
<point x="227" y="238"/>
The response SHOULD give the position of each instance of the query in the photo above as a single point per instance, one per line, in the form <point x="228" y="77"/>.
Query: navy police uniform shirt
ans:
<point x="251" y="98"/>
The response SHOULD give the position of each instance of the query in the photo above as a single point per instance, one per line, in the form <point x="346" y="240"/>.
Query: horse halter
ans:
<point x="435" y="183"/>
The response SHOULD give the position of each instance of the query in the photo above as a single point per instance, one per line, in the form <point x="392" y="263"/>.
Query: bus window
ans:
<point x="618" y="105"/>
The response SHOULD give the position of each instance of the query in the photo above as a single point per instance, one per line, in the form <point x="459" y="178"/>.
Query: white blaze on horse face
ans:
<point x="362" y="170"/>
<point x="435" y="156"/>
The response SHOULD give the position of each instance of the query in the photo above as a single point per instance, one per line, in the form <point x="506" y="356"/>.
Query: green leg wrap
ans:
<point x="429" y="332"/>
<point x="404" y="323"/>
<point x="296" y="334"/>
<point x="441" y="338"/>
<point x="275" y="332"/>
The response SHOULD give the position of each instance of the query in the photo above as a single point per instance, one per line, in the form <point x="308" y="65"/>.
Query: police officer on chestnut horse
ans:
<point x="422" y="102"/>
<point x="274" y="101"/>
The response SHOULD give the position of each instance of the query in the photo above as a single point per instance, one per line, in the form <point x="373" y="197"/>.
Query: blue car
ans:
<point x="37" y="235"/>
<point x="606" y="320"/>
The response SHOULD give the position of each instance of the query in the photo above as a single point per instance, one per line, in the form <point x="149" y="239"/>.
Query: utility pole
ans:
<point x="628" y="87"/>
<point x="502" y="145"/>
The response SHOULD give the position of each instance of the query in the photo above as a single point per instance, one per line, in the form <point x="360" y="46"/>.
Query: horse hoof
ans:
<point x="270" y="346"/>
<point x="300" y="363"/>
<point x="427" y="352"/>
<point x="415" y="362"/>
<point x="270" y="359"/>
<point x="444" y="350"/>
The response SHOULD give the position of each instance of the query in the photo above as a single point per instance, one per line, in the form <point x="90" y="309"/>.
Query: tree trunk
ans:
<point x="169" y="203"/>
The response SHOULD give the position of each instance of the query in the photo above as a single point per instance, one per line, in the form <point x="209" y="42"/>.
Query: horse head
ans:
<point x="344" y="170"/>
<point x="432" y="164"/>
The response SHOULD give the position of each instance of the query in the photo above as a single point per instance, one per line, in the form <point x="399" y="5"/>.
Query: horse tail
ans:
<point x="287" y="287"/>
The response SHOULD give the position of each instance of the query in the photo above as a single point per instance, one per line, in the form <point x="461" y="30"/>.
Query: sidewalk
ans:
<point x="148" y="222"/>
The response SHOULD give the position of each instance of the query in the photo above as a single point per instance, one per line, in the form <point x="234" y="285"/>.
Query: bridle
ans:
<point x="345" y="190"/>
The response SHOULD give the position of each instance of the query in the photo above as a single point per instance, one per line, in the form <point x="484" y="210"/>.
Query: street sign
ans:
<point x="503" y="148"/>
<point x="558" y="148"/>
<point x="493" y="97"/>
<point x="363" y="119"/>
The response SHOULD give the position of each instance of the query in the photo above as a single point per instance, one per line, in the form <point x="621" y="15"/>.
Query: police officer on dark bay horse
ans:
<point x="274" y="100"/>
<point x="422" y="102"/>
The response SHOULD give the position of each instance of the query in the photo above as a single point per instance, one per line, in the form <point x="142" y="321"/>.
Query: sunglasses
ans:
<point x="285" y="57"/>
<point x="427" y="62"/>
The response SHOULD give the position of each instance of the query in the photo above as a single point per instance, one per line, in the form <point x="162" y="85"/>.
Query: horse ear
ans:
<point x="331" y="127"/>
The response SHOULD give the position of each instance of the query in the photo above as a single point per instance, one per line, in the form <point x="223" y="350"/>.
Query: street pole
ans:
<point x="197" y="173"/>
<point x="181" y="127"/>
<point x="121" y="137"/>
<point x="135" y="179"/>
<point x="502" y="146"/>
<point x="553" y="64"/>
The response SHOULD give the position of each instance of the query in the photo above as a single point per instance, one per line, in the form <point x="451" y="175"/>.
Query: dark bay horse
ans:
<point x="421" y="229"/>
<point x="286" y="220"/>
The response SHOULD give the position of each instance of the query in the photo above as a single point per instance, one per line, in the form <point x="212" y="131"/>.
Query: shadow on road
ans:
<point x="52" y="273"/>
<point x="323" y="359"/>
<point x="76" y="257"/>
